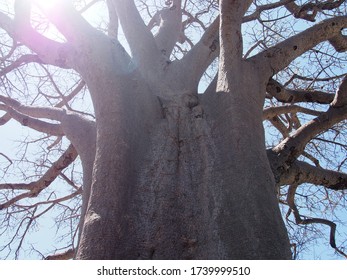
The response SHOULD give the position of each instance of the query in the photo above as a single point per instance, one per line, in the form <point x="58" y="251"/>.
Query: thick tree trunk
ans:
<point x="177" y="176"/>
<point x="185" y="179"/>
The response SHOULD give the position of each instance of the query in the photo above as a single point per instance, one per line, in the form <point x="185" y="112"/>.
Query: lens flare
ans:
<point x="46" y="4"/>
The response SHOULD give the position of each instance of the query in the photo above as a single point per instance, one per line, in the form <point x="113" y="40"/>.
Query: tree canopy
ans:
<point x="301" y="46"/>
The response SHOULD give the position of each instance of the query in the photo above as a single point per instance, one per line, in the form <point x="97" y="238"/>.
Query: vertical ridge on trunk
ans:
<point x="174" y="203"/>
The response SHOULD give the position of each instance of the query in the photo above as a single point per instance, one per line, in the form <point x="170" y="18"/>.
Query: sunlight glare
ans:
<point x="45" y="4"/>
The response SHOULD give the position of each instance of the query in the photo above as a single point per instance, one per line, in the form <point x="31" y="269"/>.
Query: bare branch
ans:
<point x="170" y="23"/>
<point x="286" y="95"/>
<point x="22" y="60"/>
<point x="79" y="130"/>
<point x="113" y="20"/>
<point x="27" y="227"/>
<point x="191" y="19"/>
<point x="271" y="112"/>
<point x="341" y="94"/>
<point x="6" y="157"/>
<point x="280" y="55"/>
<point x="256" y="14"/>
<point x="5" y="119"/>
<point x="52" y="52"/>
<point x="36" y="187"/>
<point x="45" y="127"/>
<point x="54" y="201"/>
<point x="70" y="23"/>
<point x="73" y="93"/>
<point x="6" y="23"/>
<point x="88" y="6"/>
<point x="306" y="221"/>
<point x="207" y="49"/>
<point x="309" y="11"/>
<point x="290" y="148"/>
<point x="49" y="51"/>
<point x="32" y="111"/>
<point x="231" y="45"/>
<point x="301" y="172"/>
<point x="231" y="17"/>
<point x="280" y="126"/>
<point x="141" y="41"/>
<point x="339" y="42"/>
<point x="202" y="54"/>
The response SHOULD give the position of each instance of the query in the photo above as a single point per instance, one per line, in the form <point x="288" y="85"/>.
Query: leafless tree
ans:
<point x="174" y="129"/>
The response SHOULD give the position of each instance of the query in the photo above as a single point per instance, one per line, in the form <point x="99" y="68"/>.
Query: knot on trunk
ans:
<point x="175" y="104"/>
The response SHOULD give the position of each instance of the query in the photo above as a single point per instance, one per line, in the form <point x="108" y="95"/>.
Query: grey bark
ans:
<point x="172" y="178"/>
<point x="175" y="175"/>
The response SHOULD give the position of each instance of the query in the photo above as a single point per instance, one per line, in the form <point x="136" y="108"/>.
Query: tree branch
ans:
<point x="307" y="221"/>
<point x="50" y="175"/>
<point x="292" y="147"/>
<point x="341" y="94"/>
<point x="77" y="192"/>
<point x="201" y="55"/>
<point x="5" y="119"/>
<point x="6" y="157"/>
<point x="256" y="14"/>
<point x="71" y="95"/>
<point x="309" y="11"/>
<point x="272" y="112"/>
<point x="69" y="22"/>
<point x="49" y="51"/>
<point x="7" y="24"/>
<point x="339" y="42"/>
<point x="286" y="95"/>
<point x="83" y="41"/>
<point x="141" y="41"/>
<point x="208" y="47"/>
<point x="301" y="172"/>
<point x="280" y="126"/>
<point x="170" y="24"/>
<point x="231" y="17"/>
<point x="113" y="20"/>
<point x="38" y="125"/>
<point x="33" y="111"/>
<point x="282" y="54"/>
<point x="231" y="46"/>
<point x="79" y="130"/>
<point x="22" y="60"/>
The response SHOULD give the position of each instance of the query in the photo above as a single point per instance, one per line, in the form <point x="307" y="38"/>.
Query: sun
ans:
<point x="45" y="4"/>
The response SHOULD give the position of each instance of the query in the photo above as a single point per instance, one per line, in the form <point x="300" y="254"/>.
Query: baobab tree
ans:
<point x="176" y="161"/>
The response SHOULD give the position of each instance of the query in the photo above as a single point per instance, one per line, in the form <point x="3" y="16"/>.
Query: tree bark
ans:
<point x="180" y="177"/>
<point x="177" y="176"/>
<point x="188" y="184"/>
